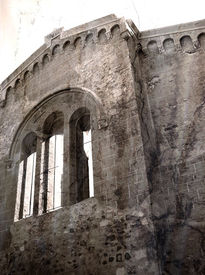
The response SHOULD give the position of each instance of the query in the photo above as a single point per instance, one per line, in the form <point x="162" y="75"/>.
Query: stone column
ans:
<point x="37" y="206"/>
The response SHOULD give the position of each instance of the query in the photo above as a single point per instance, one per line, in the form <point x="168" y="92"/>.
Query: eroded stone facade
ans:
<point x="145" y="96"/>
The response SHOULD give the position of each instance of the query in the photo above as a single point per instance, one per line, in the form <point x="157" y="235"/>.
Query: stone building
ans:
<point x="102" y="153"/>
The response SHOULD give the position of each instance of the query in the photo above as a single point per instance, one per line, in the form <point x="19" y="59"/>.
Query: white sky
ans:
<point x="24" y="23"/>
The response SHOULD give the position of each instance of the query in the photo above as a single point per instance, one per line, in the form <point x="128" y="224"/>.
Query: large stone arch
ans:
<point x="67" y="101"/>
<point x="87" y="96"/>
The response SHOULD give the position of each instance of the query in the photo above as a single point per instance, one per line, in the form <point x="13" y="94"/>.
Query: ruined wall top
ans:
<point x="186" y="37"/>
<point x="181" y="38"/>
<point x="196" y="25"/>
<point x="59" y="40"/>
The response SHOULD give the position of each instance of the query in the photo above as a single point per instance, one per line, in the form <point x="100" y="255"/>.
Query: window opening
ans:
<point x="26" y="178"/>
<point x="52" y="162"/>
<point x="55" y="171"/>
<point x="87" y="144"/>
<point x="29" y="185"/>
<point x="50" y="172"/>
<point x="82" y="186"/>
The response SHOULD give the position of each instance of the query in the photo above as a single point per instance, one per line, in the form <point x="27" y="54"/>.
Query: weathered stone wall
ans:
<point x="83" y="239"/>
<point x="172" y="62"/>
<point x="112" y="232"/>
<point x="145" y="94"/>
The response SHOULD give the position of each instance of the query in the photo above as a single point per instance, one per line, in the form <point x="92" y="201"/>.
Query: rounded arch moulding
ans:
<point x="64" y="99"/>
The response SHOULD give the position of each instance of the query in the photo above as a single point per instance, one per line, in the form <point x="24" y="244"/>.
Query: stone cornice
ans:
<point x="99" y="31"/>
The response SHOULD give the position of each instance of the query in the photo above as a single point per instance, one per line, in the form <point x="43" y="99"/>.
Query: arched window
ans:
<point x="26" y="178"/>
<point x="52" y="162"/>
<point x="81" y="186"/>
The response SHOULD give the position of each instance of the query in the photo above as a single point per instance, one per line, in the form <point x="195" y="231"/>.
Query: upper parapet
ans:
<point x="58" y="42"/>
<point x="184" y="38"/>
<point x="79" y="29"/>
<point x="196" y="25"/>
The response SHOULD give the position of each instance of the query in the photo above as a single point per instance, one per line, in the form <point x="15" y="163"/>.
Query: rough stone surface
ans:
<point x="144" y="92"/>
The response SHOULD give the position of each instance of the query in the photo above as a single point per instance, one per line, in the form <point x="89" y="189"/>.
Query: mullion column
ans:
<point x="23" y="190"/>
<point x="37" y="205"/>
<point x="65" y="187"/>
<point x="45" y="171"/>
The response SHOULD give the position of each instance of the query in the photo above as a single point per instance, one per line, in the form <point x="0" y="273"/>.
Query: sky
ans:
<point x="25" y="23"/>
